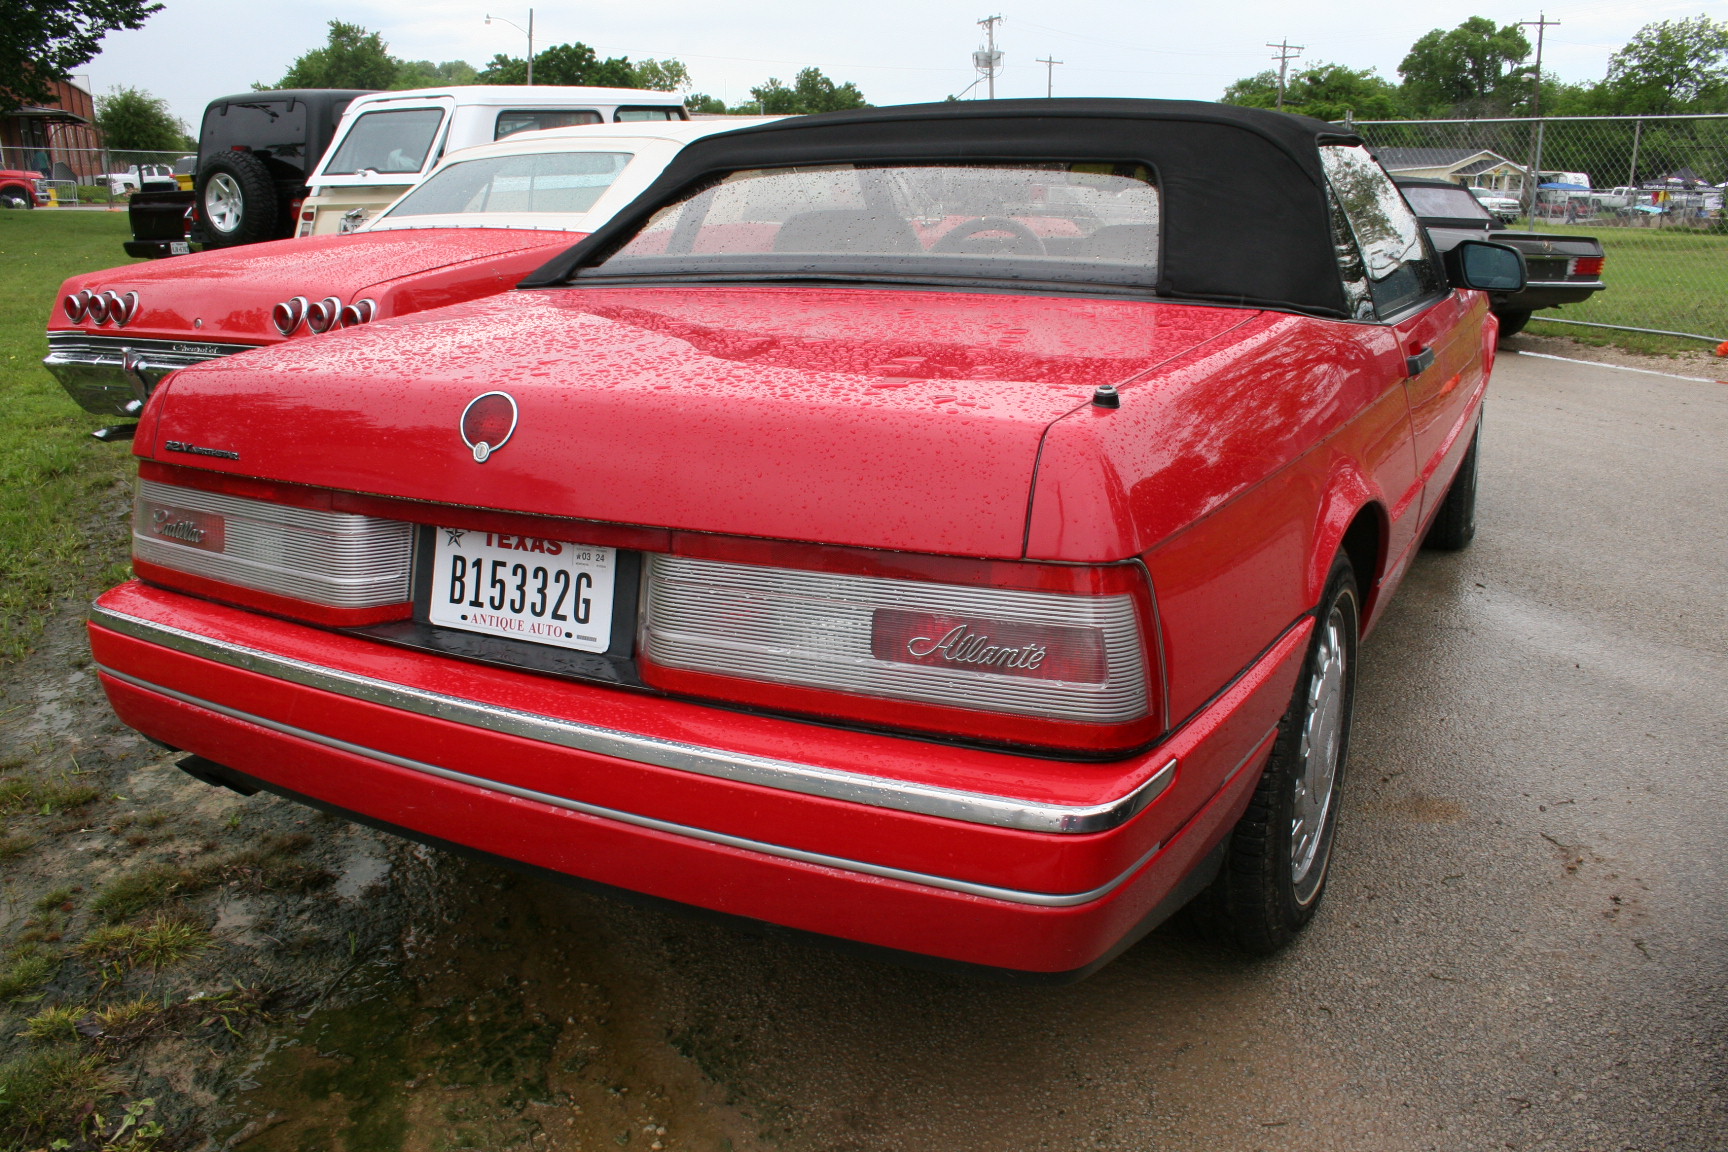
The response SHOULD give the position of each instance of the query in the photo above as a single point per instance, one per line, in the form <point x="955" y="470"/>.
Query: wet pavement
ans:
<point x="1524" y="944"/>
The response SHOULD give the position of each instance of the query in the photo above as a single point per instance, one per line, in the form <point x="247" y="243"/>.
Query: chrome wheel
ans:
<point x="1322" y="741"/>
<point x="222" y="202"/>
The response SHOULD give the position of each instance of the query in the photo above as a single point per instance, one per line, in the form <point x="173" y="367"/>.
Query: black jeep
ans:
<point x="254" y="153"/>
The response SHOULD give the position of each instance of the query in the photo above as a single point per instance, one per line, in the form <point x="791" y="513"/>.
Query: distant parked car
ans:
<point x="1562" y="269"/>
<point x="254" y="150"/>
<point x="1502" y="207"/>
<point x="388" y="141"/>
<point x="21" y="189"/>
<point x="483" y="220"/>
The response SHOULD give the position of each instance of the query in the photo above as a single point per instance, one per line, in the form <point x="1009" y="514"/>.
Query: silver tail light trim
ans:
<point x="359" y="312"/>
<point x="807" y="779"/>
<point x="792" y="626"/>
<point x="335" y="559"/>
<point x="287" y="315"/>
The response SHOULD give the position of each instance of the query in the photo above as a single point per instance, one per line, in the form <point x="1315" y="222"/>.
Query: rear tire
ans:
<point x="1454" y="526"/>
<point x="237" y="201"/>
<point x="1512" y="323"/>
<point x="1278" y="855"/>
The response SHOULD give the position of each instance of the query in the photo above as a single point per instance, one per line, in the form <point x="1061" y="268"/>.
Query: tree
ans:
<point x="131" y="119"/>
<point x="1670" y="66"/>
<point x="662" y="75"/>
<point x="1324" y="91"/>
<point x="425" y="74"/>
<point x="42" y="42"/>
<point x="352" y="58"/>
<point x="697" y="102"/>
<point x="563" y="64"/>
<point x="1471" y="70"/>
<point x="811" y="92"/>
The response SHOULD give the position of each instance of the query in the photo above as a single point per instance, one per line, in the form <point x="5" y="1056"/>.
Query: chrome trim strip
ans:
<point x="786" y="775"/>
<point x="923" y="879"/>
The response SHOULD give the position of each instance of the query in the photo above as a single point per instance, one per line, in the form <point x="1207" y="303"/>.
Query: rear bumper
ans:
<point x="1539" y="294"/>
<point x="984" y="858"/>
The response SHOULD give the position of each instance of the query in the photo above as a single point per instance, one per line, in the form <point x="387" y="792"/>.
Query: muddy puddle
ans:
<point x="503" y="1022"/>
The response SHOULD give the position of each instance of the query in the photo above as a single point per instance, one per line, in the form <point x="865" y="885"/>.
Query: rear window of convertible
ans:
<point x="1085" y="222"/>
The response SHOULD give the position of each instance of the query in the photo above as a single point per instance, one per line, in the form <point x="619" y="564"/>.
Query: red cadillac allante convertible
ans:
<point x="946" y="529"/>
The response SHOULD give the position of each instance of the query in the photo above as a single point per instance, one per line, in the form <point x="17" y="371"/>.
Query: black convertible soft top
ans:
<point x="1244" y="211"/>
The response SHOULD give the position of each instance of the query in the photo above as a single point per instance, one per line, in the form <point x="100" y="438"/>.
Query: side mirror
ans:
<point x="1486" y="266"/>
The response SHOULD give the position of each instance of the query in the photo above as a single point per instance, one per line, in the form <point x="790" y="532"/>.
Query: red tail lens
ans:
<point x="1044" y="651"/>
<point x="96" y="310"/>
<point x="321" y="317"/>
<point x="1587" y="265"/>
<point x="76" y="304"/>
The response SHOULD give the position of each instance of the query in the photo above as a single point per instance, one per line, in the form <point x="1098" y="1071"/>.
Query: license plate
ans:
<point x="179" y="248"/>
<point x="523" y="587"/>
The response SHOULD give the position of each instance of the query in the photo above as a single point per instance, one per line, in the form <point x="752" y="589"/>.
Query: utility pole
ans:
<point x="1286" y="53"/>
<point x="1541" y="24"/>
<point x="1049" y="75"/>
<point x="989" y="60"/>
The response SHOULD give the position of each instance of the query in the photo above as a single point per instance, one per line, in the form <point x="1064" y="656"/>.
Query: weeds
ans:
<point x="48" y="1092"/>
<point x="12" y="847"/>
<point x="57" y="1023"/>
<point x="57" y="900"/>
<point x="148" y="887"/>
<point x="45" y="797"/>
<point x="25" y="974"/>
<point x="165" y="940"/>
<point x="128" y="1022"/>
<point x="269" y="866"/>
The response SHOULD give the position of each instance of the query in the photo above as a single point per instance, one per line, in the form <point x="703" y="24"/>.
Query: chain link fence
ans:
<point x="1650" y="188"/>
<point x="77" y="177"/>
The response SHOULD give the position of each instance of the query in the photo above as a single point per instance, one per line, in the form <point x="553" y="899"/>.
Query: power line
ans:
<point x="1286" y="53"/>
<point x="1049" y="75"/>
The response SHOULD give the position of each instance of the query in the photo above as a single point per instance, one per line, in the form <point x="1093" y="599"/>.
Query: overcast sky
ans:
<point x="896" y="51"/>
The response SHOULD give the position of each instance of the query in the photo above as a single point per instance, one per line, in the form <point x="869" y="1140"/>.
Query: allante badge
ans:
<point x="488" y="423"/>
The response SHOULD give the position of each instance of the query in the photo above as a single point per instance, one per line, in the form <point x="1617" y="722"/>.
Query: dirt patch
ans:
<point x="245" y="973"/>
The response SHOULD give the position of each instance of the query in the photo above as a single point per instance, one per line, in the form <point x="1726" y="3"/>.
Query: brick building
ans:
<point x="57" y="138"/>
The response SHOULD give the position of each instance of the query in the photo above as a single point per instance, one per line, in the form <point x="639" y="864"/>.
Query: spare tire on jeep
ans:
<point x="237" y="200"/>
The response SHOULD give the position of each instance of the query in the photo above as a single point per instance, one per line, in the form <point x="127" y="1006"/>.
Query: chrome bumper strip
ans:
<point x="769" y="772"/>
<point x="989" y="892"/>
<point x="92" y="366"/>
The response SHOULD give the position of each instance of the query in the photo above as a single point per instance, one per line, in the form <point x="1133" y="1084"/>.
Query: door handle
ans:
<point x="1419" y="363"/>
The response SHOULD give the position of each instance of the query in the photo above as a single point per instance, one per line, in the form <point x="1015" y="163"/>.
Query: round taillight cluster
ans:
<point x="320" y="316"/>
<point x="101" y="307"/>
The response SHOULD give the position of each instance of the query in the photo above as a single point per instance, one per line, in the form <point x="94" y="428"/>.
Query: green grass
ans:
<point x="49" y="1094"/>
<point x="1668" y="278"/>
<point x="52" y="475"/>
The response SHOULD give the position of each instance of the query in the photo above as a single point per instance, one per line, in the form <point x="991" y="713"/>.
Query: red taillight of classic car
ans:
<point x="1586" y="267"/>
<point x="1049" y="656"/>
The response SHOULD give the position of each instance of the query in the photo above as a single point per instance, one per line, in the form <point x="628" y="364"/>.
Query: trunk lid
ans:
<point x="880" y="418"/>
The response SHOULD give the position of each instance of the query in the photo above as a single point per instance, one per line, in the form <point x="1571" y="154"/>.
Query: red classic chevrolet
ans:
<point x="945" y="530"/>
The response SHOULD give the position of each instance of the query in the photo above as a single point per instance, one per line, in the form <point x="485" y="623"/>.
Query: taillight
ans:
<point x="1005" y="664"/>
<point x="1586" y="266"/>
<point x="317" y="565"/>
<point x="321" y="317"/>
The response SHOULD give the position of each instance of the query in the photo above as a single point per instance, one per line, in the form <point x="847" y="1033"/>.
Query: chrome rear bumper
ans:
<point x="93" y="368"/>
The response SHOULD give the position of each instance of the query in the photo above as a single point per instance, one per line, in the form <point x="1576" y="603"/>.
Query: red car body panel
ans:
<point x="225" y="295"/>
<point x="917" y="416"/>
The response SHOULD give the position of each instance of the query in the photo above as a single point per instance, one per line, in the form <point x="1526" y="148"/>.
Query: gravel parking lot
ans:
<point x="1525" y="944"/>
